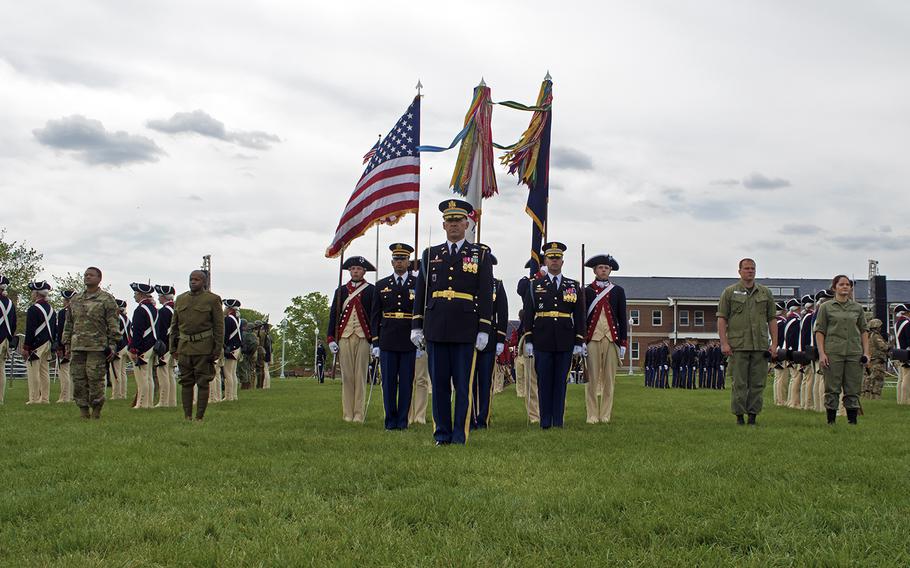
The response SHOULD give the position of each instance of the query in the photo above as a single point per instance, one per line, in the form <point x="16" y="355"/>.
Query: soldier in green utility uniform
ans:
<point x="745" y="319"/>
<point x="842" y="336"/>
<point x="196" y="341"/>
<point x="249" y="348"/>
<point x="90" y="337"/>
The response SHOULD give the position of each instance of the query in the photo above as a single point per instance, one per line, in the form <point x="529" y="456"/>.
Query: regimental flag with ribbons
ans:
<point x="390" y="185"/>
<point x="530" y="159"/>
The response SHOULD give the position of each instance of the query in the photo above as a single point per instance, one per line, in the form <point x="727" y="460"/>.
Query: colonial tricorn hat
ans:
<point x="39" y="285"/>
<point x="823" y="294"/>
<point x="807" y="299"/>
<point x="231" y="303"/>
<point x="4" y="281"/>
<point x="792" y="303"/>
<point x="142" y="288"/>
<point x="486" y="249"/>
<point x="67" y="294"/>
<point x="599" y="259"/>
<point x="454" y="209"/>
<point x="121" y="303"/>
<point x="164" y="289"/>
<point x="401" y="250"/>
<point x="358" y="261"/>
<point x="901" y="308"/>
<point x="554" y="249"/>
<point x="779" y="305"/>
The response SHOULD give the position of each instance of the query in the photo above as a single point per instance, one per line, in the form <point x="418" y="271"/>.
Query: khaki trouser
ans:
<point x="818" y="389"/>
<point x="796" y="383"/>
<point x="780" y="386"/>
<point x="748" y="371"/>
<point x="267" y="382"/>
<point x="39" y="376"/>
<point x="903" y="385"/>
<point x="354" y="355"/>
<point x="145" y="381"/>
<point x="524" y="368"/>
<point x="215" y="390"/>
<point x="418" y="411"/>
<point x="230" y="376"/>
<point x="807" y="390"/>
<point x="167" y="384"/>
<point x="603" y="360"/>
<point x="4" y="350"/>
<point x="499" y="377"/>
<point x="66" y="382"/>
<point x="118" y="375"/>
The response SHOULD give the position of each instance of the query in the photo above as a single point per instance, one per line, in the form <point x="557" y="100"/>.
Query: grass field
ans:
<point x="279" y="479"/>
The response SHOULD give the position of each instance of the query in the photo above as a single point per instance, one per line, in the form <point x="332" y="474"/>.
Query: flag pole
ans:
<point x="417" y="213"/>
<point x="376" y="276"/>
<point x="337" y="312"/>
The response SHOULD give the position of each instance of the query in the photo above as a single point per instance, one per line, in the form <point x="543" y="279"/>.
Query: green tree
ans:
<point x="69" y="281"/>
<point x="21" y="264"/>
<point x="307" y="319"/>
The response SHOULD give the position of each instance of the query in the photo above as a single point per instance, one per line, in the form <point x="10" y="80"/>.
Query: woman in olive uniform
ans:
<point x="843" y="348"/>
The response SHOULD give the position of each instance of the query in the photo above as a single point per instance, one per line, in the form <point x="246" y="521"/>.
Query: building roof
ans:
<point x="695" y="288"/>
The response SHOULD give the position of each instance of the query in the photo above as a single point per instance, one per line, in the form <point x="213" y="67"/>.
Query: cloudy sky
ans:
<point x="139" y="136"/>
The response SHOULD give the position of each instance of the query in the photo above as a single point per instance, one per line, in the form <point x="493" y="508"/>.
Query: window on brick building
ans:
<point x="684" y="317"/>
<point x="635" y="315"/>
<point x="634" y="350"/>
<point x="699" y="318"/>
<point x="657" y="317"/>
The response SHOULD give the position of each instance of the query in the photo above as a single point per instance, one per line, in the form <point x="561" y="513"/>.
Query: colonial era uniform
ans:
<point x="390" y="321"/>
<point x="781" y="375"/>
<point x="142" y="344"/>
<point x="842" y="324"/>
<point x="232" y="344"/>
<point x="90" y="334"/>
<point x="482" y="404"/>
<point x="902" y="341"/>
<point x="805" y="346"/>
<point x="453" y="310"/>
<point x="197" y="341"/>
<point x="422" y="389"/>
<point x="121" y="354"/>
<point x="164" y="369"/>
<point x="791" y="344"/>
<point x="40" y="331"/>
<point x="606" y="337"/>
<point x="554" y="322"/>
<point x="748" y="312"/>
<point x="350" y="335"/>
<point x="63" y="362"/>
<point x="7" y="332"/>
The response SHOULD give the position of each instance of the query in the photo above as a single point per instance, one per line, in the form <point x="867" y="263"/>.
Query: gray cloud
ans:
<point x="725" y="181"/>
<point x="194" y="197"/>
<point x="756" y="180"/>
<point x="60" y="69"/>
<point x="714" y="210"/>
<point x="885" y="229"/>
<point x="800" y="229"/>
<point x="93" y="144"/>
<point x="673" y="194"/>
<point x="871" y="242"/>
<point x="571" y="159"/>
<point x="201" y="123"/>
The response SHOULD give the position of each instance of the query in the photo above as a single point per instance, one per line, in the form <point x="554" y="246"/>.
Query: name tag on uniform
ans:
<point x="739" y="292"/>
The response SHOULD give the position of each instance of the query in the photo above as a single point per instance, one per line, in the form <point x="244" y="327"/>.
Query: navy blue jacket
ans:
<point x="232" y="335"/>
<point x="500" y="316"/>
<point x="805" y="331"/>
<point x="548" y="333"/>
<point x="124" y="331"/>
<point x="791" y="332"/>
<point x="162" y="328"/>
<point x="443" y="316"/>
<point x="142" y="336"/>
<point x="35" y="320"/>
<point x="393" y="310"/>
<point x="7" y="332"/>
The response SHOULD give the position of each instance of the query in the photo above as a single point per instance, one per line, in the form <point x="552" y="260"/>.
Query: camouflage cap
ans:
<point x="875" y="322"/>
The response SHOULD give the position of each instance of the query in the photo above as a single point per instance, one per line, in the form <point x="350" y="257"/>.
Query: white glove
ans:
<point x="578" y="350"/>
<point x="499" y="348"/>
<point x="482" y="339"/>
<point x="419" y="353"/>
<point x="721" y="367"/>
<point x="584" y="350"/>
<point x="417" y="337"/>
<point x="529" y="349"/>
<point x="375" y="352"/>
<point x="622" y="352"/>
<point x="333" y="347"/>
<point x="666" y="367"/>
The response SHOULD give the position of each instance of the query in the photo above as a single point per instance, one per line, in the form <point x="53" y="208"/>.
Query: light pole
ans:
<point x="630" y="345"/>
<point x="284" y="333"/>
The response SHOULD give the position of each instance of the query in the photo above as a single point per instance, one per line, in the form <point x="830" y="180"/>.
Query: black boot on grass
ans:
<point x="852" y="413"/>
<point x="84" y="412"/>
<point x="751" y="420"/>
<point x="832" y="415"/>
<point x="740" y="420"/>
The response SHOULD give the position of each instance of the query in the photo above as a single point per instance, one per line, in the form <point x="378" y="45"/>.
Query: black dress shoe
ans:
<point x="740" y="420"/>
<point x="751" y="420"/>
<point x="441" y="443"/>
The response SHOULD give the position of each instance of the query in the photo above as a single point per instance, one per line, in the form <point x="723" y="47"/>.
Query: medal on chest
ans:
<point x="569" y="294"/>
<point x="469" y="264"/>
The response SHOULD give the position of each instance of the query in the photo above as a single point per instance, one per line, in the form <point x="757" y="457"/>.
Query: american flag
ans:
<point x="372" y="152"/>
<point x="389" y="186"/>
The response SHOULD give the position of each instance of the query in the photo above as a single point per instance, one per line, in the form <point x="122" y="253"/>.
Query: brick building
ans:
<point x="678" y="308"/>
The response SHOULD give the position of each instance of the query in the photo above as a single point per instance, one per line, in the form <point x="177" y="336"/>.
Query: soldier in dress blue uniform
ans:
<point x="486" y="358"/>
<point x="393" y="309"/>
<point x="453" y="312"/>
<point x="554" y="322"/>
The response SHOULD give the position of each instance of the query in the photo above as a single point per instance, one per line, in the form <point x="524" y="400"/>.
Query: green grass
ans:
<point x="279" y="479"/>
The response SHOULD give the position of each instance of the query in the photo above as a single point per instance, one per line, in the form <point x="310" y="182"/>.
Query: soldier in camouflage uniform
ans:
<point x="875" y="373"/>
<point x="249" y="348"/>
<point x="260" y="353"/>
<point x="90" y="337"/>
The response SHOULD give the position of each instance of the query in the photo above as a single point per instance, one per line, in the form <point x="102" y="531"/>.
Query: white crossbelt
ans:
<point x="600" y="296"/>
<point x="154" y="322"/>
<point x="4" y="315"/>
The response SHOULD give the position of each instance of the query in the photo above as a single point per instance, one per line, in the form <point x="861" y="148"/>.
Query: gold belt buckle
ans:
<point x="448" y="294"/>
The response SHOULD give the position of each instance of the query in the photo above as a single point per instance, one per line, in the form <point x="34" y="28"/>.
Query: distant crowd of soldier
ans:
<point x="692" y="366"/>
<point x="142" y="342"/>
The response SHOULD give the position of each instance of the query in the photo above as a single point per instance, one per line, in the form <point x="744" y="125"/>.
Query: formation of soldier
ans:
<point x="691" y="366"/>
<point x="93" y="337"/>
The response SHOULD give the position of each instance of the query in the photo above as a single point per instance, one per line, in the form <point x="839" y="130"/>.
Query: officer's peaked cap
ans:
<point x="455" y="209"/>
<point x="554" y="249"/>
<point x="401" y="250"/>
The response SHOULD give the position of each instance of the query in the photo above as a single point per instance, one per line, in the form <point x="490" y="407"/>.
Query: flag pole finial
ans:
<point x="418" y="87"/>
<point x="482" y="82"/>
<point x="548" y="77"/>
